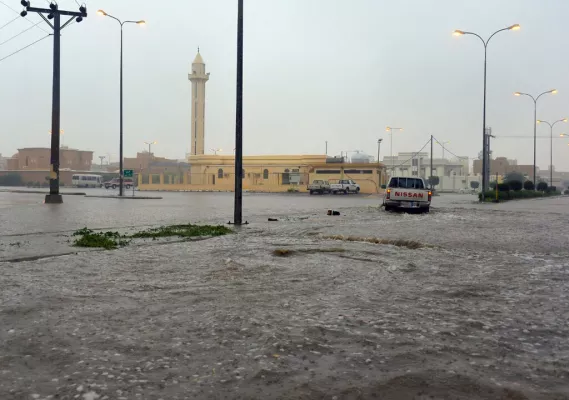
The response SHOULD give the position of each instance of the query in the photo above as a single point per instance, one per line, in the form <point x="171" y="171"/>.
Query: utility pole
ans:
<point x="102" y="158"/>
<point x="431" y="172"/>
<point x="488" y="171"/>
<point x="326" y="147"/>
<point x="54" y="13"/>
<point x="238" y="206"/>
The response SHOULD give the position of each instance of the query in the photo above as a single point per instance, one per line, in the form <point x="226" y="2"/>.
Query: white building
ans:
<point x="454" y="174"/>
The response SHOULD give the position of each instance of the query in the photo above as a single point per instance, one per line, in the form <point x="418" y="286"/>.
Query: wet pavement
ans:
<point x="473" y="305"/>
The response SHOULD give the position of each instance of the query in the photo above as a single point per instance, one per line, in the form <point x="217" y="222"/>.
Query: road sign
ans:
<point x="128" y="173"/>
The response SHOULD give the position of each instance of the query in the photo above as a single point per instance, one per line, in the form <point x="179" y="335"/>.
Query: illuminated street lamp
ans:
<point x="390" y="129"/>
<point x="215" y="151"/>
<point x="551" y="125"/>
<point x="485" y="160"/>
<point x="142" y="23"/>
<point x="535" y="99"/>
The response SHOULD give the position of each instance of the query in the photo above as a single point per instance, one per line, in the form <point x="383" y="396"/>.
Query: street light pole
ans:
<point x="121" y="158"/>
<point x="390" y="130"/>
<point x="378" y="148"/>
<point x="551" y="125"/>
<point x="238" y="204"/>
<point x="535" y="99"/>
<point x="443" y="146"/>
<point x="485" y="43"/>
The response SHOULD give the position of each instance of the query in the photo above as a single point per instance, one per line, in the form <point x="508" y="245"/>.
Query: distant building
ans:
<point x="38" y="158"/>
<point x="502" y="166"/>
<point x="33" y="164"/>
<point x="453" y="174"/>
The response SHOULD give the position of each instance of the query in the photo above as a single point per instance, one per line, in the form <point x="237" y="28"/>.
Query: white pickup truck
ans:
<point x="345" y="186"/>
<point x="407" y="193"/>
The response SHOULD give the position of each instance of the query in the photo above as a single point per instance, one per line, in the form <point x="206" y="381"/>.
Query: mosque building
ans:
<point x="267" y="173"/>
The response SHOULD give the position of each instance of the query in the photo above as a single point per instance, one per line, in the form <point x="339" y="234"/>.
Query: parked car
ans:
<point x="115" y="183"/>
<point x="319" y="186"/>
<point x="345" y="186"/>
<point x="407" y="193"/>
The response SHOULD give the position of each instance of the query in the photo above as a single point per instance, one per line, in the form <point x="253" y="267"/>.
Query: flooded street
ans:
<point x="469" y="301"/>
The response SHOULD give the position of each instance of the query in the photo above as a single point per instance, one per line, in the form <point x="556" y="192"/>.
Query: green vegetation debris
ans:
<point x="188" y="230"/>
<point x="112" y="240"/>
<point x="105" y="240"/>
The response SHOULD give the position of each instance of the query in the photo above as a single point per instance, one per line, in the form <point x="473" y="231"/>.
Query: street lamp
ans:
<point x="457" y="32"/>
<point x="141" y="22"/>
<point x="535" y="99"/>
<point x="564" y="134"/>
<point x="390" y="129"/>
<point x="443" y="146"/>
<point x="150" y="146"/>
<point x="215" y="151"/>
<point x="149" y="153"/>
<point x="551" y="125"/>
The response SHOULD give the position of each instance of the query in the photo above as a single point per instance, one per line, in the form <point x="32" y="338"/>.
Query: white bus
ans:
<point x="88" y="181"/>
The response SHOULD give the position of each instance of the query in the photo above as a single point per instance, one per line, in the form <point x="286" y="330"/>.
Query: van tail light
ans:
<point x="388" y="194"/>
<point x="430" y="195"/>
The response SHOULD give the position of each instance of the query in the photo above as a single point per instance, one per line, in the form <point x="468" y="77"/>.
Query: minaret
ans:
<point x="198" y="77"/>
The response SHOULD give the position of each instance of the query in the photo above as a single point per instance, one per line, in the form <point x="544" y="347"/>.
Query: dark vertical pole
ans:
<point x="551" y="158"/>
<point x="534" y="145"/>
<point x="431" y="172"/>
<point x="484" y="154"/>
<point x="121" y="166"/>
<point x="54" y="196"/>
<point x="238" y="208"/>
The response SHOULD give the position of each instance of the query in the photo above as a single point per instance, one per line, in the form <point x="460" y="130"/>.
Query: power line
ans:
<point x="15" y="36"/>
<point x="8" y="23"/>
<point x="24" y="48"/>
<point x="413" y="156"/>
<point x="446" y="149"/>
<point x="27" y="19"/>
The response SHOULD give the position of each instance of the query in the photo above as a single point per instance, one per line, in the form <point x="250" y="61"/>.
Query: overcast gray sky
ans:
<point x="315" y="70"/>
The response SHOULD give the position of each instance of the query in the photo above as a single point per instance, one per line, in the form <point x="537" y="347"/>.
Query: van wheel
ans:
<point x="426" y="210"/>
<point x="114" y="186"/>
<point x="357" y="190"/>
<point x="388" y="208"/>
<point x="346" y="191"/>
<point x="128" y="187"/>
<point x="311" y="192"/>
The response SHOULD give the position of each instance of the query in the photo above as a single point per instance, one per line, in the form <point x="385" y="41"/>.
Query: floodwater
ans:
<point x="471" y="302"/>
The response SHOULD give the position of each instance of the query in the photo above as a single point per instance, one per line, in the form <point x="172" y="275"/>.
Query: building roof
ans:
<point x="198" y="59"/>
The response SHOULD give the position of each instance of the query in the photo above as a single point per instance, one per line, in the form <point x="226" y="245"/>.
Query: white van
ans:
<point x="88" y="181"/>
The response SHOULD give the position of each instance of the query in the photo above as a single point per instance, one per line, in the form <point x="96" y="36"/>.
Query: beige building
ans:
<point x="275" y="173"/>
<point x="198" y="77"/>
<point x="272" y="173"/>
<point x="38" y="158"/>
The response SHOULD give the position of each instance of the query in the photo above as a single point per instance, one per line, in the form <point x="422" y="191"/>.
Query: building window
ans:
<point x="220" y="174"/>
<point x="266" y="174"/>
<point x="286" y="177"/>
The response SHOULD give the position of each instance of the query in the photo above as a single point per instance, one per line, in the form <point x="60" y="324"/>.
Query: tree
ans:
<point x="475" y="184"/>
<point x="513" y="177"/>
<point x="434" y="180"/>
<point x="516" y="185"/>
<point x="492" y="185"/>
<point x="542" y="186"/>
<point x="11" y="180"/>
<point x="503" y="187"/>
<point x="528" y="185"/>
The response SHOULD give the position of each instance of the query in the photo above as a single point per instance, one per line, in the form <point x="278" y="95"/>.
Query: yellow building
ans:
<point x="272" y="173"/>
<point x="275" y="173"/>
